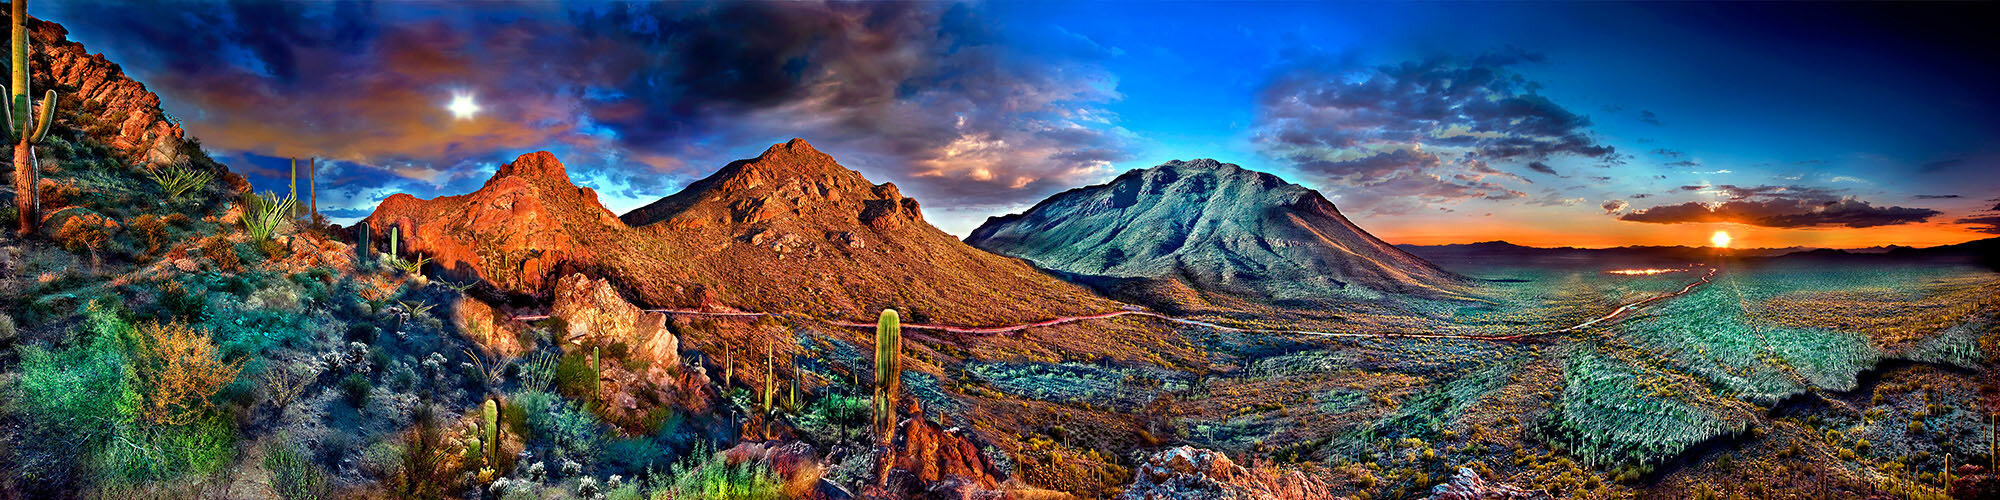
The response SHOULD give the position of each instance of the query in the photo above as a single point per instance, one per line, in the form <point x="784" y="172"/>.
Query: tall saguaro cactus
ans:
<point x="888" y="375"/>
<point x="26" y="126"/>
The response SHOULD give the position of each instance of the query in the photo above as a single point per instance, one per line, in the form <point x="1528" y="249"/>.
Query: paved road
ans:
<point x="963" y="330"/>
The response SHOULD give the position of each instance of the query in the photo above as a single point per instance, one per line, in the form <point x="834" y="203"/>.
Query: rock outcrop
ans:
<point x="592" y="312"/>
<point x="1217" y="229"/>
<point x="138" y="126"/>
<point x="1193" y="473"/>
<point x="1467" y="485"/>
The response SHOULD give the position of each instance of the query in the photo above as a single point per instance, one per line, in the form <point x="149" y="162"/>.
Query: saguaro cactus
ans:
<point x="770" y="380"/>
<point x="492" y="414"/>
<point x="363" y="252"/>
<point x="27" y="126"/>
<point x="394" y="235"/>
<point x="888" y="374"/>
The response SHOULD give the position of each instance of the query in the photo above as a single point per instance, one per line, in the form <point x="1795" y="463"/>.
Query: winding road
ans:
<point x="997" y="330"/>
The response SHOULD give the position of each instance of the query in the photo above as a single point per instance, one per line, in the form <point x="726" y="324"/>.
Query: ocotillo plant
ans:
<point x="888" y="375"/>
<point x="27" y="127"/>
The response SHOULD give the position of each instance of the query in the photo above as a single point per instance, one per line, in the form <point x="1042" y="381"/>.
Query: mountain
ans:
<point x="788" y="231"/>
<point x="108" y="105"/>
<point x="1196" y="234"/>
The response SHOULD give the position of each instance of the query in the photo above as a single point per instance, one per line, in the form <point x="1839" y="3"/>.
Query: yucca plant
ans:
<point x="267" y="214"/>
<point x="177" y="180"/>
<point x="411" y="266"/>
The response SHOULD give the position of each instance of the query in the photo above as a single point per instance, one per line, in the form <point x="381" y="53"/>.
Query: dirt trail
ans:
<point x="964" y="330"/>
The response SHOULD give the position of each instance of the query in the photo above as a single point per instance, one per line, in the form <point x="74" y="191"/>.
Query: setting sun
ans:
<point x="1720" y="240"/>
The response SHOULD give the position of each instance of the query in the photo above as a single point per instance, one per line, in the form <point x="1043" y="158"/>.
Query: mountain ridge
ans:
<point x="1162" y="230"/>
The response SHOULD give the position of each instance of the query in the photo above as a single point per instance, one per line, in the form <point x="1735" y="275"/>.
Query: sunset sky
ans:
<point x="1541" y="124"/>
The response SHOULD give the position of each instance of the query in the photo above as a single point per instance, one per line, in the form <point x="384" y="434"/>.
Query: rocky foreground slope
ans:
<point x="788" y="231"/>
<point x="1188" y="234"/>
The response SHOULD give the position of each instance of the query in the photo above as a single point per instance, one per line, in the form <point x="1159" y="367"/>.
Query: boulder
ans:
<point x="1193" y="473"/>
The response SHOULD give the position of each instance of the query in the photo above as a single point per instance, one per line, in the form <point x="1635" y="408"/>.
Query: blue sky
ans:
<point x="1543" y="123"/>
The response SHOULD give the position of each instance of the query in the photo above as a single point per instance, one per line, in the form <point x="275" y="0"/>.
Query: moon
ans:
<point x="462" y="106"/>
<point x="1720" y="239"/>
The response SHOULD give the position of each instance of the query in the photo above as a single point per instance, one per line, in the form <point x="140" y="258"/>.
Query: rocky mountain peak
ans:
<point x="539" y="165"/>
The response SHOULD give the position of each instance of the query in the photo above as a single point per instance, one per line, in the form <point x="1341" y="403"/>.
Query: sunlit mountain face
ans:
<point x="1590" y="125"/>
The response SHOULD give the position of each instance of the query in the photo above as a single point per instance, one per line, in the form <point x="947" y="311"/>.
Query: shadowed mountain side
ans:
<point x="1204" y="234"/>
<point x="788" y="231"/>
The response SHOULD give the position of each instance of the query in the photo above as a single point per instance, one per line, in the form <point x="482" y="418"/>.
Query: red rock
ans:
<point x="144" y="134"/>
<point x="1193" y="473"/>
<point x="593" y="313"/>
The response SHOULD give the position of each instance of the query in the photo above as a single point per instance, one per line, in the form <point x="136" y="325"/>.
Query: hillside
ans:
<point x="1202" y="233"/>
<point x="788" y="231"/>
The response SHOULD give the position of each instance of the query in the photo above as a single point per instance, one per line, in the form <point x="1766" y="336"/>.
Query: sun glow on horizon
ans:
<point x="1720" y="240"/>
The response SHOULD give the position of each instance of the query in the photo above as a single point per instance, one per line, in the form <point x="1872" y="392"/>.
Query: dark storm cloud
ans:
<point x="1332" y="117"/>
<point x="1780" y="206"/>
<point x="628" y="94"/>
<point x="1988" y="224"/>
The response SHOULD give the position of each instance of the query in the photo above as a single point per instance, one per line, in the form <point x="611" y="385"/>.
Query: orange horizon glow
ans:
<point x="1604" y="233"/>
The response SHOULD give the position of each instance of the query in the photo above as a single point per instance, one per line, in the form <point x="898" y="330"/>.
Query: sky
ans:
<point x="1545" y="124"/>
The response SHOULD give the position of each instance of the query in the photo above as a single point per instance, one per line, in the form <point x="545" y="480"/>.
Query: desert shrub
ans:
<point x="428" y="467"/>
<point x="178" y="370"/>
<point x="7" y="329"/>
<point x="567" y="428"/>
<point x="705" y="474"/>
<point x="178" y="179"/>
<point x="574" y="377"/>
<point x="152" y="229"/>
<point x="169" y="451"/>
<point x="267" y="215"/>
<point x="356" y="388"/>
<point x="294" y="476"/>
<point x="72" y="400"/>
<point x="634" y="454"/>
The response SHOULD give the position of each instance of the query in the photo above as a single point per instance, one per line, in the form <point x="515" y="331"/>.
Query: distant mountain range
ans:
<point x="1983" y="251"/>
<point x="788" y="231"/>
<point x="1204" y="234"/>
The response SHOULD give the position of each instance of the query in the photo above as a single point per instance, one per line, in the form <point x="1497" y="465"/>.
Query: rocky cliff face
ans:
<point x="131" y="117"/>
<point x="1203" y="227"/>
<point x="1467" y="485"/>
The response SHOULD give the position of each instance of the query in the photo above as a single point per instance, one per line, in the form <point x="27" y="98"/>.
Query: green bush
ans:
<point x="574" y="377"/>
<point x="356" y="388"/>
<point x="705" y="474"/>
<point x="567" y="428"/>
<point x="295" y="476"/>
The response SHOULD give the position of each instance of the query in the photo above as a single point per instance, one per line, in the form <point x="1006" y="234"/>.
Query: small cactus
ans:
<point x="394" y="235"/>
<point x="492" y="414"/>
<point x="888" y="374"/>
<point x="597" y="375"/>
<point x="770" y="381"/>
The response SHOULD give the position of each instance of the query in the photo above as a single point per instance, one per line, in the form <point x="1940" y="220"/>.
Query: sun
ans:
<point x="462" y="106"/>
<point x="1720" y="240"/>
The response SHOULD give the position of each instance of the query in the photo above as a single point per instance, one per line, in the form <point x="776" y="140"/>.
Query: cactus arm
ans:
<point x="48" y="117"/>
